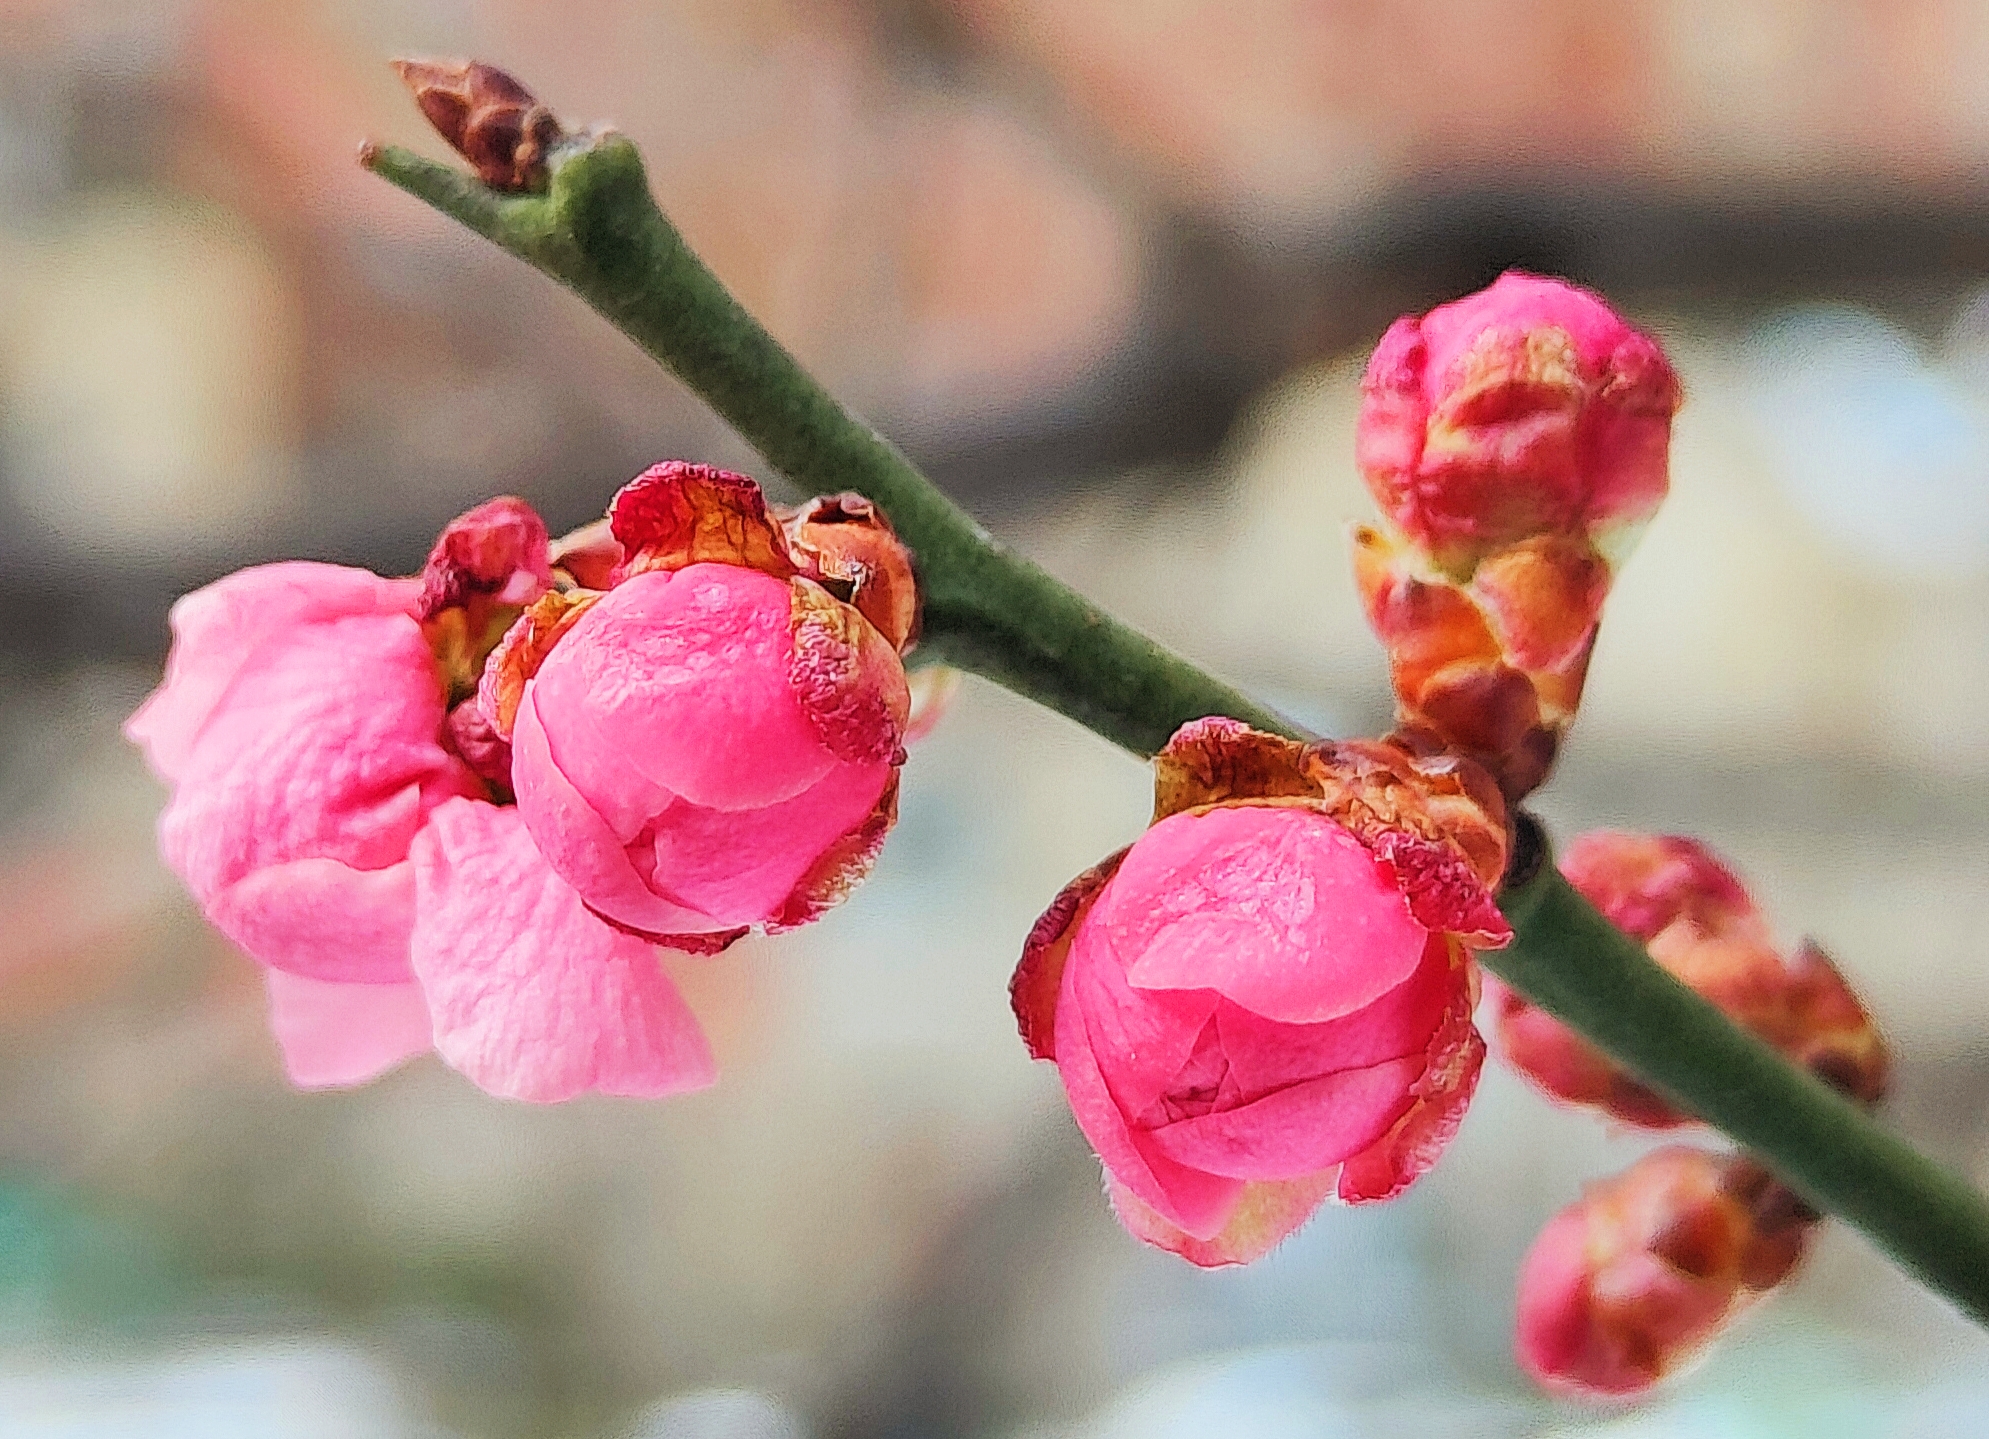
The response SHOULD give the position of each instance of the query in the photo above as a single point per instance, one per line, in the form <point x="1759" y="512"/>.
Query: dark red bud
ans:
<point x="489" y="118"/>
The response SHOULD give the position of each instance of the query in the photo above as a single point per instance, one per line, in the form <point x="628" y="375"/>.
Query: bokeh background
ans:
<point x="1108" y="268"/>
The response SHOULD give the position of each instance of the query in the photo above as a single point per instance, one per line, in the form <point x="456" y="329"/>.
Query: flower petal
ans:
<point x="334" y="1035"/>
<point x="1197" y="1203"/>
<point x="322" y="920"/>
<point x="679" y="681"/>
<point x="1298" y="1130"/>
<point x="1280" y="909"/>
<point x="533" y="996"/>
<point x="1266" y="1212"/>
<point x="219" y="629"/>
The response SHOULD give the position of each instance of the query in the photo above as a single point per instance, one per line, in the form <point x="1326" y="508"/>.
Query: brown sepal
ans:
<point x="487" y="117"/>
<point x="1494" y="666"/>
<point x="1408" y="782"/>
<point x="846" y="677"/>
<point x="1209" y="761"/>
<point x="841" y="867"/>
<point x="677" y="514"/>
<point x="586" y="558"/>
<point x="859" y="558"/>
<point x="1039" y="975"/>
<point x="523" y="649"/>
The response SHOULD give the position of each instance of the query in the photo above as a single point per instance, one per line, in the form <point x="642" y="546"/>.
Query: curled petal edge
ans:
<point x="1039" y="976"/>
<point x="677" y="514"/>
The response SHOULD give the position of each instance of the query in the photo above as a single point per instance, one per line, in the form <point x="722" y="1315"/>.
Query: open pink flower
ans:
<point x="1630" y="1282"/>
<point x="1700" y="924"/>
<point x="299" y="725"/>
<point x="324" y="819"/>
<point x="1529" y="408"/>
<point x="713" y="743"/>
<point x="1266" y="1000"/>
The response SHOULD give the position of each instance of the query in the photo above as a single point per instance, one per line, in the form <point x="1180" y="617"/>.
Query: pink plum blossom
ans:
<point x="1529" y="408"/>
<point x="299" y="725"/>
<point x="326" y="822"/>
<point x="1265" y="1001"/>
<point x="713" y="743"/>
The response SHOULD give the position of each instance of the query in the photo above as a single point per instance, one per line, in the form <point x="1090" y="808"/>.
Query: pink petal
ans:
<point x="1140" y="1038"/>
<point x="222" y="627"/>
<point x="1197" y="1203"/>
<point x="739" y="866"/>
<point x="1298" y="1130"/>
<point x="534" y="997"/>
<point x="678" y="682"/>
<point x="1263" y="1054"/>
<point x="579" y="844"/>
<point x="333" y="1035"/>
<point x="1279" y="909"/>
<point x="1266" y="1212"/>
<point x="327" y="747"/>
<point x="323" y="920"/>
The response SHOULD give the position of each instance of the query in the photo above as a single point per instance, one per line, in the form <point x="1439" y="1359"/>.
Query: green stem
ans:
<point x="597" y="231"/>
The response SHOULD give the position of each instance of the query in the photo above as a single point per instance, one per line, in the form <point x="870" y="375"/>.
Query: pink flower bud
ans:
<point x="712" y="744"/>
<point x="1631" y="1281"/>
<point x="1700" y="924"/>
<point x="1517" y="441"/>
<point x="1265" y="1001"/>
<point x="1530" y="408"/>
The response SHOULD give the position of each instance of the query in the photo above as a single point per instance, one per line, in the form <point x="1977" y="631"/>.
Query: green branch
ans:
<point x="598" y="232"/>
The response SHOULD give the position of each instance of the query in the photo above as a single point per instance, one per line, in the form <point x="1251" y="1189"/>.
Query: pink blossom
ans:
<point x="325" y="822"/>
<point x="1529" y="408"/>
<point x="712" y="744"/>
<point x="299" y="723"/>
<point x="1258" y="1006"/>
<point x="1630" y="1282"/>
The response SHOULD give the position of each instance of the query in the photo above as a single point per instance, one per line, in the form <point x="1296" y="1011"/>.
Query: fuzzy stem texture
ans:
<point x="597" y="231"/>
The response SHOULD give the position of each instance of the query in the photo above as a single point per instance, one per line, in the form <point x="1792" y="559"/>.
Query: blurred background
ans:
<point x="1109" y="269"/>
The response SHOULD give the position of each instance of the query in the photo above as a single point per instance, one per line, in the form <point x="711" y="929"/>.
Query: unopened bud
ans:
<point x="487" y="117"/>
<point x="1701" y="925"/>
<point x="488" y="564"/>
<point x="1517" y="440"/>
<point x="1633" y="1279"/>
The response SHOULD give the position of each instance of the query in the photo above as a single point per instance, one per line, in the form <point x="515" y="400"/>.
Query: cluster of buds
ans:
<point x="1265" y="1001"/>
<point x="1638" y="1275"/>
<point x="1517" y="441"/>
<point x="459" y="810"/>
